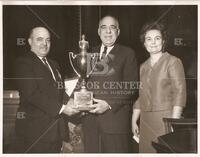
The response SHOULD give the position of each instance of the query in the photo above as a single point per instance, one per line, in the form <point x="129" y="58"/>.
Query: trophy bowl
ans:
<point x="83" y="65"/>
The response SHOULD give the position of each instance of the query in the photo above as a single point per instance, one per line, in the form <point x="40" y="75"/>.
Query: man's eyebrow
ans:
<point x="44" y="37"/>
<point x="109" y="25"/>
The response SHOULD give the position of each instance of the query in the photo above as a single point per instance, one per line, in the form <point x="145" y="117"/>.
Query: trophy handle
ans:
<point x="96" y="57"/>
<point x="71" y="54"/>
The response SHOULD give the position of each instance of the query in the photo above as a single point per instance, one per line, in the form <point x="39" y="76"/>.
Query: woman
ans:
<point x="163" y="88"/>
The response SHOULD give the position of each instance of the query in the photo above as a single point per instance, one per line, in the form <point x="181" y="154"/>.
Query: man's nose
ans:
<point x="108" y="29"/>
<point x="44" y="42"/>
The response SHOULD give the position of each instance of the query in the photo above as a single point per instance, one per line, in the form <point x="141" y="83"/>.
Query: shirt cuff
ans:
<point x="62" y="109"/>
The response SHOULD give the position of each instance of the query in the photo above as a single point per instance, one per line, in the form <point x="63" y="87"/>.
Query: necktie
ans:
<point x="45" y="63"/>
<point x="48" y="67"/>
<point x="104" y="52"/>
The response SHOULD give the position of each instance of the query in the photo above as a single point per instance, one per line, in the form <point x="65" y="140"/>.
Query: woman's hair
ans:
<point x="154" y="26"/>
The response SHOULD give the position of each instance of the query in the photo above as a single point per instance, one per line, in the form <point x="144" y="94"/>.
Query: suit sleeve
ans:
<point x="30" y="91"/>
<point x="130" y="78"/>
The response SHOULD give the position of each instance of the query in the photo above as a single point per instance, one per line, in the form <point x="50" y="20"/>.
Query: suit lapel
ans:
<point x="40" y="65"/>
<point x="114" y="49"/>
<point x="55" y="71"/>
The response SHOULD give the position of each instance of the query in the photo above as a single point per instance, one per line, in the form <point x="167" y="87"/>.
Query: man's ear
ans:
<point x="99" y="31"/>
<point x="118" y="32"/>
<point x="29" y="41"/>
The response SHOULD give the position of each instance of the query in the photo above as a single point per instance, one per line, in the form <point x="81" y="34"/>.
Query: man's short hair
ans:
<point x="31" y="31"/>
<point x="116" y="20"/>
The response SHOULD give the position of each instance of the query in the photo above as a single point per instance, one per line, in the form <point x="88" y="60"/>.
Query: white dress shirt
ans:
<point x="107" y="52"/>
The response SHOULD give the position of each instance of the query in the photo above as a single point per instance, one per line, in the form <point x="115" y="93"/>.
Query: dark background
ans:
<point x="64" y="25"/>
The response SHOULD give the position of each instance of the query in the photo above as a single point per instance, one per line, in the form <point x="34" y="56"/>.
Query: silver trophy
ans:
<point x="83" y="65"/>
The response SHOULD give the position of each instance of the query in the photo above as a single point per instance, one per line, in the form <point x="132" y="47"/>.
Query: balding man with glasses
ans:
<point x="107" y="127"/>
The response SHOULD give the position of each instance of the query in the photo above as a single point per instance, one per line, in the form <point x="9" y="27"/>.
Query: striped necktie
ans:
<point x="104" y="52"/>
<point x="48" y="67"/>
<point x="45" y="63"/>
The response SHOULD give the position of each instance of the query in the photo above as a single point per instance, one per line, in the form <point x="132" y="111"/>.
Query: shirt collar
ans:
<point x="108" y="49"/>
<point x="41" y="59"/>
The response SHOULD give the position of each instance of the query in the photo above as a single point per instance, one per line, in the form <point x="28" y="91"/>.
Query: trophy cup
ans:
<point x="81" y="64"/>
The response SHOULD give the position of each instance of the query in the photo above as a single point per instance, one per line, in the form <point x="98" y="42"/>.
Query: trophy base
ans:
<point x="83" y="100"/>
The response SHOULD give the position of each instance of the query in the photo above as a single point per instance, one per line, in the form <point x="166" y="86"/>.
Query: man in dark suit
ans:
<point x="43" y="100"/>
<point x="107" y="128"/>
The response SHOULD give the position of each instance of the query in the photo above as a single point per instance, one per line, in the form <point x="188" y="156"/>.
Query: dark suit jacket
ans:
<point x="40" y="100"/>
<point x="115" y="78"/>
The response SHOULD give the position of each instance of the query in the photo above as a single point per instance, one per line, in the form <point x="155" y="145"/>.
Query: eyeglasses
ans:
<point x="112" y="28"/>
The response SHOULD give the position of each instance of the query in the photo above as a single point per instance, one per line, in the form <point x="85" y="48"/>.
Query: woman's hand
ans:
<point x="135" y="129"/>
<point x="135" y="117"/>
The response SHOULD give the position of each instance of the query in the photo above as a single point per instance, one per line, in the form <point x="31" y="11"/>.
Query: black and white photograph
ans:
<point x="109" y="77"/>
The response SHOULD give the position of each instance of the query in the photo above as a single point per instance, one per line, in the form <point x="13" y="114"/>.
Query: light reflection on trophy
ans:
<point x="81" y="64"/>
